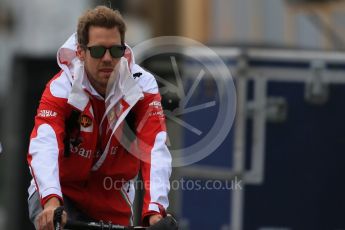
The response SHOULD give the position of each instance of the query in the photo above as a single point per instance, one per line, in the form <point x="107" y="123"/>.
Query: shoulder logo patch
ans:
<point x="137" y="75"/>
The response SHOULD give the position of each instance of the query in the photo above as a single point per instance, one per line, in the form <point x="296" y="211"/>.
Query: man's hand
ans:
<point x="154" y="219"/>
<point x="45" y="220"/>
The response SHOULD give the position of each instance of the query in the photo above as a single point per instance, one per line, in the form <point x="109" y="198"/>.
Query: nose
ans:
<point x="107" y="57"/>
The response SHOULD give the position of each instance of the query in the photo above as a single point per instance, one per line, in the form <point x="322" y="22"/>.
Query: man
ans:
<point x="79" y="154"/>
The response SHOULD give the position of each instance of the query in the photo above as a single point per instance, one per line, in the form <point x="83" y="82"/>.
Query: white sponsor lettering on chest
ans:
<point x="47" y="113"/>
<point x="82" y="152"/>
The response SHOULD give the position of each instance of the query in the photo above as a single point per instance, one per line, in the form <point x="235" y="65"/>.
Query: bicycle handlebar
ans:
<point x="78" y="225"/>
<point x="167" y="223"/>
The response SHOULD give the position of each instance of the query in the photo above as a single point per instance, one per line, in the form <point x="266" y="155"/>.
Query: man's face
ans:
<point x="98" y="70"/>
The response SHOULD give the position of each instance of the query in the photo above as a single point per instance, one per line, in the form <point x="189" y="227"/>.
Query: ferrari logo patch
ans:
<point x="85" y="121"/>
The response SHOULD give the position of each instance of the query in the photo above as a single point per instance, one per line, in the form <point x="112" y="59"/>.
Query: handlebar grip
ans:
<point x="57" y="217"/>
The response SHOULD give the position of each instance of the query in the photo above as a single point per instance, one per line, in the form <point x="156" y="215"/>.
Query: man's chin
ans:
<point x="104" y="76"/>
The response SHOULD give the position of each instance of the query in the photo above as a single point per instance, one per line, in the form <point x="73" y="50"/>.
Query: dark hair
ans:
<point x="101" y="16"/>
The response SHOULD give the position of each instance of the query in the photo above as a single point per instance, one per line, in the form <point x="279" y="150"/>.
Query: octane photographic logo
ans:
<point x="200" y="95"/>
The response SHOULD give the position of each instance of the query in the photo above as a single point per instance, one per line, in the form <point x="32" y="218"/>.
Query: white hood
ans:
<point x="67" y="56"/>
<point x="74" y="68"/>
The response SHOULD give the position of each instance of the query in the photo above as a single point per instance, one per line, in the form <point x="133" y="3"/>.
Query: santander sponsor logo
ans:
<point x="86" y="153"/>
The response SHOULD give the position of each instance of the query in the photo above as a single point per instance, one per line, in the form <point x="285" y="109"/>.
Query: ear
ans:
<point x="81" y="53"/>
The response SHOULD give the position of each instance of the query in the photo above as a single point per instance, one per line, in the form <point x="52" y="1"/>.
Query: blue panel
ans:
<point x="204" y="120"/>
<point x="249" y="124"/>
<point x="304" y="182"/>
<point x="206" y="209"/>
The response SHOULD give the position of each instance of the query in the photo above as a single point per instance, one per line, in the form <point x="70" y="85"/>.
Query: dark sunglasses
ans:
<point x="116" y="51"/>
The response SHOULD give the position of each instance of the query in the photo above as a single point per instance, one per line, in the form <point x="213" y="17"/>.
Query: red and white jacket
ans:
<point x="99" y="171"/>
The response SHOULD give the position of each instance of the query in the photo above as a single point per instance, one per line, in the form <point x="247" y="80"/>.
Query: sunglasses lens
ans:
<point x="117" y="51"/>
<point x="97" y="51"/>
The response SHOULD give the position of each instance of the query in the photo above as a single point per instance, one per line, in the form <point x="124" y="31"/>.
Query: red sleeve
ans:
<point x="46" y="142"/>
<point x="155" y="156"/>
